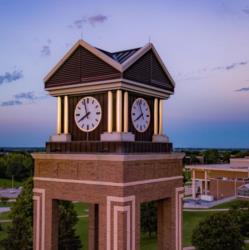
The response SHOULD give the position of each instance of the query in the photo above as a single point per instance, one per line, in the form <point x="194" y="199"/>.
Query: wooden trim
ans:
<point x="101" y="86"/>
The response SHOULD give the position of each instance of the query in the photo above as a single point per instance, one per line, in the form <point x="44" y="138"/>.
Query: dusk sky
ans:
<point x="203" y="43"/>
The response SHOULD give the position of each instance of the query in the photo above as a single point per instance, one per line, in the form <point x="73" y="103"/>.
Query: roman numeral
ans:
<point x="92" y="125"/>
<point x="97" y="113"/>
<point x="77" y="114"/>
<point x="96" y="120"/>
<point x="87" y="127"/>
<point x="133" y="113"/>
<point x="87" y="100"/>
<point x="93" y="101"/>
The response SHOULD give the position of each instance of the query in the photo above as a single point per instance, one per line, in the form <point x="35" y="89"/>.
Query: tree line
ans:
<point x="18" y="165"/>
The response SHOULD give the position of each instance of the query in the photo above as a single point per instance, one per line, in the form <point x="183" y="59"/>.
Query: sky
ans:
<point x="204" y="45"/>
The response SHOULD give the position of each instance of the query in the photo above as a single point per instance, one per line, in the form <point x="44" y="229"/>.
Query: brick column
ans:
<point x="51" y="225"/>
<point x="119" y="223"/>
<point x="93" y="227"/>
<point x="45" y="223"/>
<point x="169" y="222"/>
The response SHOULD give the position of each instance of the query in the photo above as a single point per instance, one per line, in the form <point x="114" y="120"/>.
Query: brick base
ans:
<point x="115" y="185"/>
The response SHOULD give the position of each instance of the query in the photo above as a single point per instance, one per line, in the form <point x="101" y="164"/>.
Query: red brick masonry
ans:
<point x="115" y="185"/>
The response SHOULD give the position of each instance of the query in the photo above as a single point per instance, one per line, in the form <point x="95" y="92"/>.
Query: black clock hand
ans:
<point x="86" y="115"/>
<point x="138" y="117"/>
<point x="141" y="109"/>
<point x="85" y="108"/>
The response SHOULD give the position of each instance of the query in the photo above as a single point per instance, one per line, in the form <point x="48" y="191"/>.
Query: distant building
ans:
<point x="217" y="181"/>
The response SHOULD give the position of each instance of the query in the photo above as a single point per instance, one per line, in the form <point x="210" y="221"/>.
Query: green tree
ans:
<point x="240" y="213"/>
<point x="149" y="218"/>
<point x="219" y="231"/>
<point x="19" y="165"/>
<point x="211" y="156"/>
<point x="3" y="167"/>
<point x="68" y="239"/>
<point x="19" y="234"/>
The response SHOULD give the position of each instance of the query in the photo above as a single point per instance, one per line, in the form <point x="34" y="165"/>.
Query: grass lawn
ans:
<point x="81" y="229"/>
<point x="147" y="243"/>
<point x="7" y="183"/>
<point x="4" y="216"/>
<point x="190" y="221"/>
<point x="230" y="204"/>
<point x="3" y="233"/>
<point x="81" y="208"/>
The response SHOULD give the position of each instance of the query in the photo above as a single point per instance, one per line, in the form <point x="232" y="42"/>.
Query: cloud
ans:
<point x="25" y="95"/>
<point x="11" y="103"/>
<point x="22" y="98"/>
<point x="230" y="66"/>
<point x="11" y="76"/>
<point x="93" y="20"/>
<point x="46" y="50"/>
<point x="243" y="89"/>
<point x="246" y="10"/>
<point x="97" y="19"/>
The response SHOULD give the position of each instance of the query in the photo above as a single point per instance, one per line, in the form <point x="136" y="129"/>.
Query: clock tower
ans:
<point x="109" y="149"/>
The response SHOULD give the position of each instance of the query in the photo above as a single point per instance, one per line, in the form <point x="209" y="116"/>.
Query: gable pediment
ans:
<point x="81" y="66"/>
<point x="148" y="69"/>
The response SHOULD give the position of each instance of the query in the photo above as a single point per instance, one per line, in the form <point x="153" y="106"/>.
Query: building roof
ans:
<point x="120" y="56"/>
<point x="236" y="165"/>
<point x="119" y="60"/>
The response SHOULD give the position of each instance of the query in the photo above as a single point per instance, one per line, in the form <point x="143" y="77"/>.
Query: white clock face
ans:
<point x="140" y="115"/>
<point x="88" y="114"/>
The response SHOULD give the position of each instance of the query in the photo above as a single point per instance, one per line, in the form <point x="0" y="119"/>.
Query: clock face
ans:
<point x="87" y="114"/>
<point x="140" y="115"/>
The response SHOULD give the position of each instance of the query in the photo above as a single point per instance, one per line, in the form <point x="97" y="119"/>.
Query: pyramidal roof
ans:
<point x="120" y="56"/>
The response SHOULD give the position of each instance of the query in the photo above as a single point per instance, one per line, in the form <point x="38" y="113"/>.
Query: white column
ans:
<point x="126" y="111"/>
<point x="201" y="187"/>
<point x="235" y="187"/>
<point x="155" y="116"/>
<point x="206" y="186"/>
<point x="110" y="112"/>
<point x="161" y="117"/>
<point x="119" y="111"/>
<point x="65" y="114"/>
<point x="58" y="115"/>
<point x="193" y="185"/>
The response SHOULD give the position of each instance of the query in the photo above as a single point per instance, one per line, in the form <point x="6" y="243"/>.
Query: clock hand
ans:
<point x="141" y="109"/>
<point x="138" y="117"/>
<point x="86" y="115"/>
